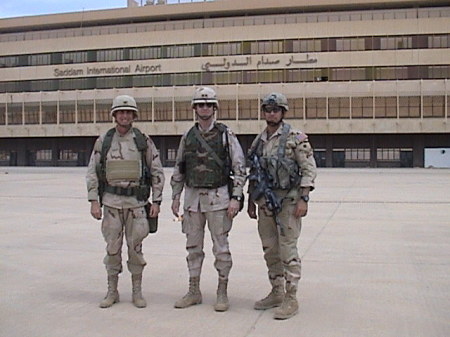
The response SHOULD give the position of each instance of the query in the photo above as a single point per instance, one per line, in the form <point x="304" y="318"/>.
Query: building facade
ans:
<point x="366" y="80"/>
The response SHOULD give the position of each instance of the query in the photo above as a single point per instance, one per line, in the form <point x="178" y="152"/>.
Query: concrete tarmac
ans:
<point x="375" y="249"/>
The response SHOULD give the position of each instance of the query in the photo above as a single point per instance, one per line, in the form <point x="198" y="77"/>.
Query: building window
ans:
<point x="433" y="106"/>
<point x="9" y="61"/>
<point x="385" y="107"/>
<point x="362" y="107"/>
<point x="388" y="154"/>
<point x="248" y="109"/>
<point x="2" y="114"/>
<point x="110" y="55"/>
<point x="183" y="111"/>
<point x="436" y="72"/>
<point x="163" y="111"/>
<point x="4" y="155"/>
<point x="15" y="113"/>
<point x="343" y="44"/>
<point x="85" y="111"/>
<point x="316" y="108"/>
<point x="338" y="107"/>
<point x="103" y="109"/>
<point x="171" y="154"/>
<point x="357" y="154"/>
<point x="227" y="110"/>
<point x="40" y="59"/>
<point x="409" y="106"/>
<point x="49" y="112"/>
<point x="32" y="113"/>
<point x="74" y="57"/>
<point x="67" y="112"/>
<point x="145" y="53"/>
<point x="67" y="155"/>
<point x="295" y="108"/>
<point x="439" y="41"/>
<point x="44" y="154"/>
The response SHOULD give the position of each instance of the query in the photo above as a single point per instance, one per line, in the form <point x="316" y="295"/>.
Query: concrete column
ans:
<point x="418" y="151"/>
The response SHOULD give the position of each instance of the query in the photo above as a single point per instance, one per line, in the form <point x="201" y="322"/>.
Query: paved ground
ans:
<point x="375" y="249"/>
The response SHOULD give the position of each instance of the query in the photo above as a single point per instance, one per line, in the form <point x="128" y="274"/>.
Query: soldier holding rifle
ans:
<point x="282" y="173"/>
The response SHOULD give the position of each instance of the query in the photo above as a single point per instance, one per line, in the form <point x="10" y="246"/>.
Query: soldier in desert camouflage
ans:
<point x="207" y="153"/>
<point x="123" y="169"/>
<point x="286" y="156"/>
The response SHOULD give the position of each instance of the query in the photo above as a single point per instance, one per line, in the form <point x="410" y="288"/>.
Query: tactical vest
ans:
<point x="202" y="169"/>
<point x="284" y="171"/>
<point x="141" y="192"/>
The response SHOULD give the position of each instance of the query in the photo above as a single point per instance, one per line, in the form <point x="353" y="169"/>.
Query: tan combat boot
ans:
<point x="275" y="297"/>
<point x="193" y="296"/>
<point x="289" y="307"/>
<point x="222" y="303"/>
<point x="112" y="296"/>
<point x="138" y="300"/>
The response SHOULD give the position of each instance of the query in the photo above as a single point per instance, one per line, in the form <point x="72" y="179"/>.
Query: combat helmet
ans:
<point x="124" y="102"/>
<point x="275" y="99"/>
<point x="205" y="95"/>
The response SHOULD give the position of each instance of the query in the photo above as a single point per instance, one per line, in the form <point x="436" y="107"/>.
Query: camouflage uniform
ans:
<point x="203" y="205"/>
<point x="280" y="245"/>
<point x="124" y="214"/>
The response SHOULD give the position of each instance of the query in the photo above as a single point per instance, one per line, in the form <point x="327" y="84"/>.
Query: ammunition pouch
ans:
<point x="152" y="222"/>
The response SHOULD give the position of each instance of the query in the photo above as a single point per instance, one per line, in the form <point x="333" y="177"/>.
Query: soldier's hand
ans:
<point x="251" y="209"/>
<point x="154" y="210"/>
<point x="96" y="210"/>
<point x="176" y="207"/>
<point x="233" y="208"/>
<point x="301" y="209"/>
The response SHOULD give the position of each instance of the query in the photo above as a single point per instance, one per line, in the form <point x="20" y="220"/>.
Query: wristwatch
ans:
<point x="305" y="198"/>
<point x="236" y="197"/>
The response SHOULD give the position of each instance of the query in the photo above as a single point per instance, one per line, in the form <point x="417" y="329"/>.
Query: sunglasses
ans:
<point x="202" y="105"/>
<point x="269" y="109"/>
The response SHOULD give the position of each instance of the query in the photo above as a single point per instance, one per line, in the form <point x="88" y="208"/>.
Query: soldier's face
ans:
<point x="273" y="114"/>
<point x="124" y="118"/>
<point x="204" y="111"/>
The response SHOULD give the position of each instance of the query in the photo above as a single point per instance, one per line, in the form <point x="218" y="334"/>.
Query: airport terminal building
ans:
<point x="367" y="80"/>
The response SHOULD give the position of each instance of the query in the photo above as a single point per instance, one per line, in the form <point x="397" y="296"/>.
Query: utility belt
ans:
<point x="141" y="192"/>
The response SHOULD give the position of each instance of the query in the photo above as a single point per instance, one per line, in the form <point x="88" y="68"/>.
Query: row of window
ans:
<point x="46" y="154"/>
<point x="299" y="108"/>
<point x="382" y="154"/>
<point x="208" y="23"/>
<point x="233" y="77"/>
<point x="351" y="154"/>
<point x="232" y="48"/>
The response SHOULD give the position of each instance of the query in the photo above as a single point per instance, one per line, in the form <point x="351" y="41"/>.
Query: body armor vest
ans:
<point x="283" y="170"/>
<point x="202" y="169"/>
<point x="131" y="168"/>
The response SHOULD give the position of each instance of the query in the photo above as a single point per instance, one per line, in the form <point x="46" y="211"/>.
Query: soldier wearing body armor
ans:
<point x="282" y="174"/>
<point x="207" y="154"/>
<point x="123" y="170"/>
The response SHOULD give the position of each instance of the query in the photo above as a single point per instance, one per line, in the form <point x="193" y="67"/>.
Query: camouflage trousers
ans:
<point x="280" y="246"/>
<point x="219" y="226"/>
<point x="133" y="223"/>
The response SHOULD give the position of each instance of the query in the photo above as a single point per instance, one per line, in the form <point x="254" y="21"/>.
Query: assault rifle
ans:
<point x="263" y="184"/>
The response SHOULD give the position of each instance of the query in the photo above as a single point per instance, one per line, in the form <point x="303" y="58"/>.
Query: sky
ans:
<point x="15" y="8"/>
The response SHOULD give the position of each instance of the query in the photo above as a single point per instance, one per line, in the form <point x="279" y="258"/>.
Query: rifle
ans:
<point x="263" y="187"/>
